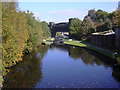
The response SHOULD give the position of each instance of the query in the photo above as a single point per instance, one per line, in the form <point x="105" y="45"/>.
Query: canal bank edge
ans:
<point x="89" y="46"/>
<point x="83" y="44"/>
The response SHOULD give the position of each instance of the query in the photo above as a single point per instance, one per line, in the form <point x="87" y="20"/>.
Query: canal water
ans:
<point x="63" y="67"/>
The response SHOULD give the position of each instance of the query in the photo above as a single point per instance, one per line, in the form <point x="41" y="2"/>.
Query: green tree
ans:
<point x="101" y="20"/>
<point x="117" y="15"/>
<point x="111" y="17"/>
<point x="34" y="30"/>
<point x="87" y="26"/>
<point x="92" y="14"/>
<point x="108" y="24"/>
<point x="46" y="29"/>
<point x="75" y="28"/>
<point x="100" y="14"/>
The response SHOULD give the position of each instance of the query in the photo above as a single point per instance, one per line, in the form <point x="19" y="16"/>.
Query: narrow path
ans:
<point x="104" y="51"/>
<point x="109" y="51"/>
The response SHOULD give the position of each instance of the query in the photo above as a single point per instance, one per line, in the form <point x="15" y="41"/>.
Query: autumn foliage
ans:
<point x="20" y="30"/>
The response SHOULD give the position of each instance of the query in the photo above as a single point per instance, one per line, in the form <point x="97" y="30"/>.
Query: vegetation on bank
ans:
<point x="94" y="21"/>
<point x="21" y="32"/>
<point x="84" y="45"/>
<point x="48" y="41"/>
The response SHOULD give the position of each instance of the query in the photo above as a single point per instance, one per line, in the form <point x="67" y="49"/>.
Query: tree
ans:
<point x="20" y="31"/>
<point x="14" y="34"/>
<point x="100" y="14"/>
<point x="91" y="14"/>
<point x="75" y="27"/>
<point x="111" y="17"/>
<point x="101" y="20"/>
<point x="46" y="29"/>
<point x="108" y="24"/>
<point x="117" y="15"/>
<point x="87" y="26"/>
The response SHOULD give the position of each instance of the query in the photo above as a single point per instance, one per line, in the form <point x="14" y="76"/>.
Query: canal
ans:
<point x="63" y="67"/>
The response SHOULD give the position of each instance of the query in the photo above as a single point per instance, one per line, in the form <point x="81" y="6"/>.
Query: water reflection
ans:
<point x="27" y="73"/>
<point x="116" y="73"/>
<point x="62" y="66"/>
<point x="74" y="52"/>
<point x="89" y="57"/>
<point x="86" y="57"/>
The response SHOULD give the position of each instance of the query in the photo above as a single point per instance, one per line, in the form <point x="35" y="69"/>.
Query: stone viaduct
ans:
<point x="59" y="27"/>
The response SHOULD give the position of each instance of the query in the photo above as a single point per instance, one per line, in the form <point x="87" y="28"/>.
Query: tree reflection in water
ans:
<point x="116" y="73"/>
<point x="91" y="57"/>
<point x="28" y="72"/>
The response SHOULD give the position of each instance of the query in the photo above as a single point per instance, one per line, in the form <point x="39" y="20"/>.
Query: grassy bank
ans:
<point x="48" y="41"/>
<point x="78" y="43"/>
<point x="96" y="48"/>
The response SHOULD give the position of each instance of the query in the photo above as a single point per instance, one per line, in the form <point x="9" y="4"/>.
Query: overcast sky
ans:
<point x="62" y="11"/>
